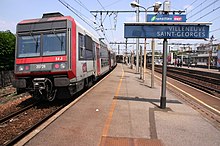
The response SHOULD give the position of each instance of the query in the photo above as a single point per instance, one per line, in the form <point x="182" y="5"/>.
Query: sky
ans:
<point x="14" y="11"/>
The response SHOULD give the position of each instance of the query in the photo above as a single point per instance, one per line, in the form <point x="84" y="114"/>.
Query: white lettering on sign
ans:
<point x="183" y="31"/>
<point x="181" y="34"/>
<point x="186" y="28"/>
<point x="59" y="58"/>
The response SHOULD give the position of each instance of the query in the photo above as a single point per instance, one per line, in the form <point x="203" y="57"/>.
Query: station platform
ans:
<point x="122" y="110"/>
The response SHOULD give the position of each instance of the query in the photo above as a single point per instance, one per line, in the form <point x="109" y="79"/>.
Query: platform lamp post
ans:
<point x="156" y="7"/>
<point x="210" y="49"/>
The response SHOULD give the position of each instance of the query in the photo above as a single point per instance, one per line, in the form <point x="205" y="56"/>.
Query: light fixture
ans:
<point x="134" y="4"/>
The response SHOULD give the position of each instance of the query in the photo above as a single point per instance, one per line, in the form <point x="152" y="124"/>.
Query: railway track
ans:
<point x="16" y="125"/>
<point x="15" y="113"/>
<point x="204" y="81"/>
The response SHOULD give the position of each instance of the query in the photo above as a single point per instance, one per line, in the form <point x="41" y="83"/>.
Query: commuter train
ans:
<point x="56" y="57"/>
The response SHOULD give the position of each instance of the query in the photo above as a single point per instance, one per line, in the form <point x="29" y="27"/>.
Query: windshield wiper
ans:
<point x="36" y="42"/>
<point x="36" y="45"/>
<point x="60" y="39"/>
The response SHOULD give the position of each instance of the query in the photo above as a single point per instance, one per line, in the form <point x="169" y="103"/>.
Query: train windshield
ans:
<point x="29" y="46"/>
<point x="54" y="44"/>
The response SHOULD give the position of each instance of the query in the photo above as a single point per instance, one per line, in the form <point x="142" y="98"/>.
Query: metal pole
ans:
<point x="152" y="61"/>
<point x="145" y="47"/>
<point x="137" y="41"/>
<point x="140" y="62"/>
<point x="132" y="58"/>
<point x="126" y="49"/>
<point x="118" y="49"/>
<point x="145" y="40"/>
<point x="209" y="59"/>
<point x="163" y="91"/>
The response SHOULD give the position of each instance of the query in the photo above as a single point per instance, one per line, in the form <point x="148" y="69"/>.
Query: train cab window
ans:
<point x="54" y="44"/>
<point x="29" y="46"/>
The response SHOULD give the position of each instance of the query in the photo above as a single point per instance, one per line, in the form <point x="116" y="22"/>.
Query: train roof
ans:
<point x="56" y="16"/>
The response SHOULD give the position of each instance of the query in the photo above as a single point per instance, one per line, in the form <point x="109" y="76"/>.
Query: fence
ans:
<point x="6" y="78"/>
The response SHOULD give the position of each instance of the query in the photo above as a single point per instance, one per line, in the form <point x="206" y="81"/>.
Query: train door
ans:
<point x="109" y="59"/>
<point x="94" y="58"/>
<point x="98" y="60"/>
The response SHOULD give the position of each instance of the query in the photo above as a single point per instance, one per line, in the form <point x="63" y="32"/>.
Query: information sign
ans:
<point x="166" y="30"/>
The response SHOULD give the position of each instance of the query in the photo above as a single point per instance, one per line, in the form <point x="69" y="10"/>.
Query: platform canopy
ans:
<point x="167" y="30"/>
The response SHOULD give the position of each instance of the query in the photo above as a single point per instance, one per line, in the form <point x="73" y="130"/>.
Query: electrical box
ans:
<point x="166" y="5"/>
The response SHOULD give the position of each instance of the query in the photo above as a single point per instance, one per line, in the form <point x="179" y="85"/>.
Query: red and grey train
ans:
<point x="56" y="56"/>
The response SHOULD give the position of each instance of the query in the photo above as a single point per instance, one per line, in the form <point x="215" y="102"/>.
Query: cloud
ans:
<point x="7" y="25"/>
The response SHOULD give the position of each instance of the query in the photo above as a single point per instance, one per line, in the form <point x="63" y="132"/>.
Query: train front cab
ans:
<point x="46" y="57"/>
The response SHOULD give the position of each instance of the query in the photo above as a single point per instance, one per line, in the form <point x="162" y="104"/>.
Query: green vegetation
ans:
<point x="7" y="50"/>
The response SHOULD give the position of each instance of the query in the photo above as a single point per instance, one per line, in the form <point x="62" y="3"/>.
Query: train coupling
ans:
<point x="44" y="88"/>
<point x="40" y="84"/>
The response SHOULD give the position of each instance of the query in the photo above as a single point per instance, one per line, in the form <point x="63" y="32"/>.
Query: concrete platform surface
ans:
<point x="123" y="110"/>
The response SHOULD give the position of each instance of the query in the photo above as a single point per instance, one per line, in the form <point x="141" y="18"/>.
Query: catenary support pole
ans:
<point x="145" y="57"/>
<point x="164" y="73"/>
<point x="141" y="62"/>
<point x="137" y="41"/>
<point x="152" y="61"/>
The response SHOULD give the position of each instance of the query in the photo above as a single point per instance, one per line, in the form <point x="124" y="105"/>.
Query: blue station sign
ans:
<point x="167" y="30"/>
<point x="166" y="18"/>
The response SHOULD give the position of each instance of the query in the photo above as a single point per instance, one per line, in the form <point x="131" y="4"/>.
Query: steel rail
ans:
<point x="8" y="117"/>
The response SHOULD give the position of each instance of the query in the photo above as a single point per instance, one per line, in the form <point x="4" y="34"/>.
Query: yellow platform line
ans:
<point x="112" y="108"/>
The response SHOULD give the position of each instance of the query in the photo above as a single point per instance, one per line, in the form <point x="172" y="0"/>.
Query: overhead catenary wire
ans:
<point x="103" y="22"/>
<point x="203" y="9"/>
<point x="72" y="10"/>
<point x="207" y="14"/>
<point x="215" y="30"/>
<point x="82" y="5"/>
<point x="75" y="11"/>
<point x="216" y="18"/>
<point x="198" y="6"/>
<point x="113" y="3"/>
<point x="101" y="5"/>
<point x="111" y="31"/>
<point x="190" y="5"/>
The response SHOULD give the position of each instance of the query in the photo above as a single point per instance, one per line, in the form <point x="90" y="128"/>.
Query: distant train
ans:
<point x="56" y="56"/>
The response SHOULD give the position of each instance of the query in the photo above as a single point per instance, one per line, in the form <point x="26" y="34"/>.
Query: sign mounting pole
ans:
<point x="164" y="74"/>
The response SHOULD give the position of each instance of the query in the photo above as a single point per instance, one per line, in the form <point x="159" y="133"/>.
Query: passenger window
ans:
<point x="81" y="46"/>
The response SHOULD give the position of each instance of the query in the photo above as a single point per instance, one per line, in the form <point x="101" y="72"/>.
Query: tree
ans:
<point x="7" y="50"/>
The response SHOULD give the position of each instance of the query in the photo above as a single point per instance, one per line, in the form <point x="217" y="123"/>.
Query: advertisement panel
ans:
<point x="166" y="18"/>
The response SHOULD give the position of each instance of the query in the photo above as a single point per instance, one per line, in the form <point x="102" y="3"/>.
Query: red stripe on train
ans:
<point x="41" y="59"/>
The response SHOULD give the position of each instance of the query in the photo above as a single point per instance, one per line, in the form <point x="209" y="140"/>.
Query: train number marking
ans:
<point x="40" y="66"/>
<point x="59" y="58"/>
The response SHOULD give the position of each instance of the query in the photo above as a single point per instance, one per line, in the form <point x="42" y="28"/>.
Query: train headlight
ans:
<point x="63" y="65"/>
<point x="23" y="68"/>
<point x="60" y="66"/>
